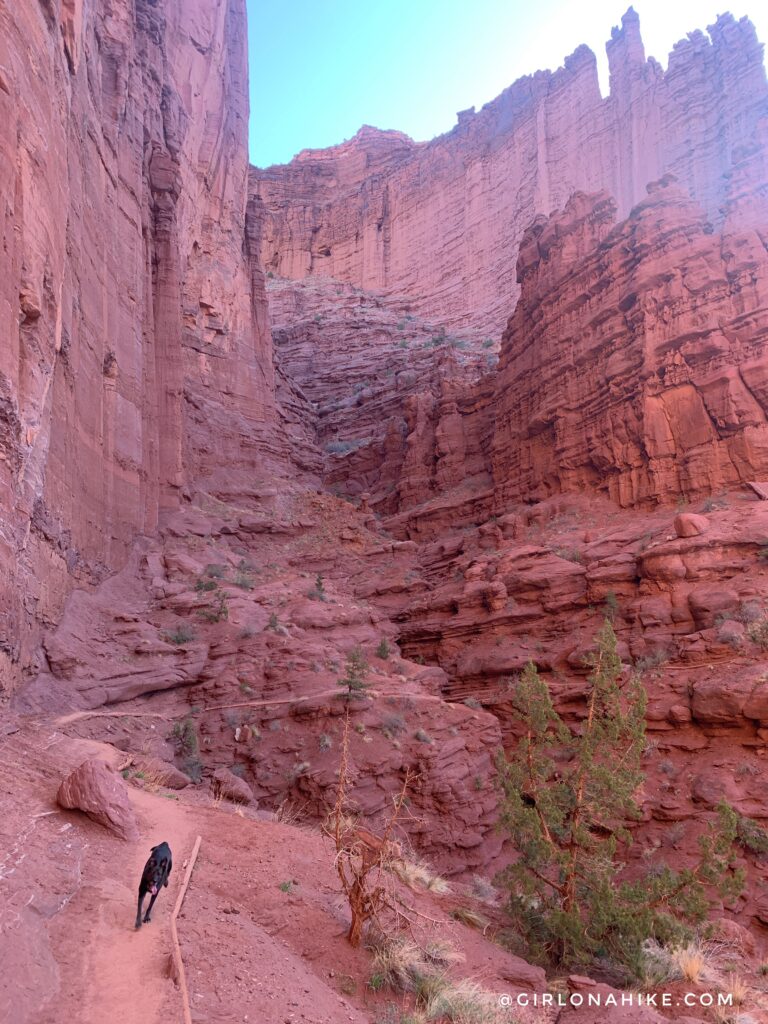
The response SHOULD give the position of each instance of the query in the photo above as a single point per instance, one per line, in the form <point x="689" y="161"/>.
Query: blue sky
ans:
<point x="321" y="68"/>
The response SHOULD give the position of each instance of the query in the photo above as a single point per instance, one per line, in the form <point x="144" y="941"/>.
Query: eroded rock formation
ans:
<point x="441" y="222"/>
<point x="636" y="362"/>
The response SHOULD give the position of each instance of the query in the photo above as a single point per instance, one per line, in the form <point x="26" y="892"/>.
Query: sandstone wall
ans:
<point x="636" y="362"/>
<point x="132" y="308"/>
<point x="442" y="222"/>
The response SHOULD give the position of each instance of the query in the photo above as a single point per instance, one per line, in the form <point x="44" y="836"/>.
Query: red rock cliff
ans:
<point x="635" y="362"/>
<point x="132" y="306"/>
<point x="442" y="222"/>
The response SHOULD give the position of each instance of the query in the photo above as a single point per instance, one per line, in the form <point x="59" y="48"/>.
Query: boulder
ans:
<point x="734" y="934"/>
<point x="710" y="602"/>
<point x="720" y="699"/>
<point x="231" y="787"/>
<point x="100" y="792"/>
<point x="688" y="524"/>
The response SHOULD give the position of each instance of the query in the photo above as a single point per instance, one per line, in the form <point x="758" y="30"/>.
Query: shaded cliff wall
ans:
<point x="442" y="222"/>
<point x="132" y="308"/>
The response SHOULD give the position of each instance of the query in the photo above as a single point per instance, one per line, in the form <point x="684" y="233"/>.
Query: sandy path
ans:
<point x="127" y="970"/>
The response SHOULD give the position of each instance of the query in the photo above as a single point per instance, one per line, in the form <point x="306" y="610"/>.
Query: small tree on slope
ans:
<point x="567" y="798"/>
<point x="354" y="681"/>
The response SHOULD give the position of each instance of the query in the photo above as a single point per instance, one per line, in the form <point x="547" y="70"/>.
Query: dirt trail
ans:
<point x="127" y="970"/>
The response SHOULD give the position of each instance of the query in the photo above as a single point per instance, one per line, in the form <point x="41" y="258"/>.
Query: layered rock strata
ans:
<point x="441" y="222"/>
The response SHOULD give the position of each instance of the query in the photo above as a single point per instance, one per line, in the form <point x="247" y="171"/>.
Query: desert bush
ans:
<point x="750" y="835"/>
<point x="568" y="818"/>
<point x="393" y="725"/>
<point x="340" y="447"/>
<point x="652" y="660"/>
<point x="185" y="736"/>
<point x="383" y="650"/>
<point x="243" y="580"/>
<point x="758" y="633"/>
<point x="180" y="635"/>
<point x="569" y="554"/>
<point x="218" y="610"/>
<point x="317" y="593"/>
<point x="204" y="584"/>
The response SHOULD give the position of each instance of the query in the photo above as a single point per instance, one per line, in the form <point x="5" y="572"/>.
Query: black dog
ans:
<point x="154" y="877"/>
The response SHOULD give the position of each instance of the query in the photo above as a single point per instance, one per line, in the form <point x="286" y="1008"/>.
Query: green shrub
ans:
<point x="611" y="606"/>
<point x="185" y="735"/>
<point x="383" y="650"/>
<point x="354" y="679"/>
<point x="568" y="816"/>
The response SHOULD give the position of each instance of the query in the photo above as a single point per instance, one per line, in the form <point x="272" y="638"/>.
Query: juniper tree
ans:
<point x="354" y="679"/>
<point x="568" y="798"/>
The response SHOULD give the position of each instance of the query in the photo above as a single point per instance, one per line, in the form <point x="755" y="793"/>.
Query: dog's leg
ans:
<point x="147" y="918"/>
<point x="138" y="912"/>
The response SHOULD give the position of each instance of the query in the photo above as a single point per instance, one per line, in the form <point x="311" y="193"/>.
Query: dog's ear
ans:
<point x="153" y="849"/>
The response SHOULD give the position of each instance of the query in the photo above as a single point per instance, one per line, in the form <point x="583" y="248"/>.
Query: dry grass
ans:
<point x="738" y="990"/>
<point x="404" y="966"/>
<point x="399" y="962"/>
<point x="465" y="1002"/>
<point x="289" y="813"/>
<point x="691" y="961"/>
<point x="417" y="875"/>
<point x="483" y="890"/>
<point x="440" y="951"/>
<point x="471" y="918"/>
<point x="698" y="963"/>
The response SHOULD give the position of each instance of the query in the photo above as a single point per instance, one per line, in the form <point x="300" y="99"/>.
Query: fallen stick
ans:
<point x="175" y="935"/>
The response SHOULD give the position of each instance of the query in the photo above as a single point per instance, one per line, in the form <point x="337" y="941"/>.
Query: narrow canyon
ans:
<point x="450" y="404"/>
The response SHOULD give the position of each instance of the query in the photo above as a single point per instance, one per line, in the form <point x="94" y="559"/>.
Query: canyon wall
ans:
<point x="635" y="365"/>
<point x="136" y="352"/>
<point x="636" y="361"/>
<point x="441" y="222"/>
